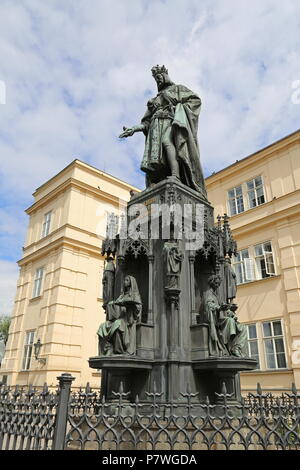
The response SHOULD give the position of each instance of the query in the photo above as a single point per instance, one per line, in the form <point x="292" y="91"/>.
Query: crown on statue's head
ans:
<point x="157" y="69"/>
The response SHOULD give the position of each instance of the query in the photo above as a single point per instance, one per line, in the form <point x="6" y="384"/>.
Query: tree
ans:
<point x="4" y="327"/>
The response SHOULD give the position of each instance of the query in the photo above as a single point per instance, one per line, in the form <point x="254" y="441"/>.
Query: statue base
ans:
<point x="127" y="373"/>
<point x="215" y="372"/>
<point x="172" y="355"/>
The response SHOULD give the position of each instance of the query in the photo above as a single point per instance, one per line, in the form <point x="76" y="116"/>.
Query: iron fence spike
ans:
<point x="278" y="413"/>
<point x="278" y="400"/>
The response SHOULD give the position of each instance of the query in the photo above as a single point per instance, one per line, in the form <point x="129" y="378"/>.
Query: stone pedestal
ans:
<point x="172" y="353"/>
<point x="216" y="372"/>
<point x="132" y="374"/>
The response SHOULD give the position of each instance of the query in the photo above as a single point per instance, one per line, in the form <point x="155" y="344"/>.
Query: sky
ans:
<point x="75" y="72"/>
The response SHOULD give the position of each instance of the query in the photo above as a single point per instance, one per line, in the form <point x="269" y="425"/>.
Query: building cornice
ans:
<point x="63" y="241"/>
<point x="269" y="219"/>
<point x="54" y="232"/>
<point x="75" y="183"/>
<point x="106" y="176"/>
<point x="253" y="159"/>
<point x="91" y="169"/>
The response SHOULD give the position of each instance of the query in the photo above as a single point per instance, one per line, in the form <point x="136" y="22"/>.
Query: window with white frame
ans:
<point x="253" y="349"/>
<point x="254" y="263"/>
<point x="274" y="345"/>
<point x="236" y="200"/>
<point x="246" y="196"/>
<point x="264" y="260"/>
<point x="243" y="266"/>
<point x="38" y="282"/>
<point x="46" y="224"/>
<point x="28" y="349"/>
<point x="266" y="344"/>
<point x="255" y="190"/>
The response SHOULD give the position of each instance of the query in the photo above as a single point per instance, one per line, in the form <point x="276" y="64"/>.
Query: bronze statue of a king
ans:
<point x="170" y="125"/>
<point x="171" y="328"/>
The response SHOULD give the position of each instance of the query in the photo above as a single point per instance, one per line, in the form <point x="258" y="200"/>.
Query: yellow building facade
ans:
<point x="261" y="193"/>
<point x="58" y="299"/>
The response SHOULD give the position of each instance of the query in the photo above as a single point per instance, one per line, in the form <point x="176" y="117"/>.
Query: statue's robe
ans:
<point x="233" y="334"/>
<point x="230" y="281"/>
<point x="173" y="259"/>
<point x="108" y="283"/>
<point x="183" y="118"/>
<point x="119" y="330"/>
<point x="211" y="317"/>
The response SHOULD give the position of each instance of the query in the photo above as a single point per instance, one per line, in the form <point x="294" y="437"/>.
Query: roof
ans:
<point x="255" y="153"/>
<point x="101" y="173"/>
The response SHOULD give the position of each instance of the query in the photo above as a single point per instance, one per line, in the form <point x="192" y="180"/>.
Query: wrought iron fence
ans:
<point x="40" y="419"/>
<point x="31" y="419"/>
<point x="27" y="418"/>
<point x="260" y="421"/>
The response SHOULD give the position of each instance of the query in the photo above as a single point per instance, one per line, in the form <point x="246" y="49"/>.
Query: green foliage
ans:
<point x="4" y="327"/>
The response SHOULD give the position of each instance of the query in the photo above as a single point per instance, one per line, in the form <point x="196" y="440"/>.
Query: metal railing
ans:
<point x="40" y="419"/>
<point x="258" y="422"/>
<point x="27" y="418"/>
<point x="32" y="419"/>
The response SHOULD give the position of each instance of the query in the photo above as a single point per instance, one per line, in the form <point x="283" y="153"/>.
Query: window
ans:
<point x="255" y="191"/>
<point x="266" y="344"/>
<point x="243" y="267"/>
<point x="38" y="282"/>
<point x="236" y="200"/>
<point x="253" y="350"/>
<point x="274" y="345"/>
<point x="28" y="347"/>
<point x="254" y="263"/>
<point x="46" y="224"/>
<point x="246" y="196"/>
<point x="264" y="260"/>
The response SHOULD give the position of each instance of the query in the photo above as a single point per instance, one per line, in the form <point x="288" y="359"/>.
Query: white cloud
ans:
<point x="75" y="72"/>
<point x="8" y="280"/>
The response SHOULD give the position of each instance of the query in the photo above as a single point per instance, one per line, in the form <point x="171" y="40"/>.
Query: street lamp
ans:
<point x="37" y="350"/>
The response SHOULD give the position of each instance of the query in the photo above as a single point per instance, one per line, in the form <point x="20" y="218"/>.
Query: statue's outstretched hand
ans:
<point x="128" y="132"/>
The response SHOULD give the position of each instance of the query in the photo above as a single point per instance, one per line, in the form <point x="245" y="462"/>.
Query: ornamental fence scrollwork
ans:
<point x="27" y="418"/>
<point x="259" y="422"/>
<point x="63" y="419"/>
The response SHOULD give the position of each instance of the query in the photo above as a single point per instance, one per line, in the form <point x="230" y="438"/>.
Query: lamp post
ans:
<point x="37" y="350"/>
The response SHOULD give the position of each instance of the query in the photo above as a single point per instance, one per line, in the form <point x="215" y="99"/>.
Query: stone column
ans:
<point x="172" y="298"/>
<point x="150" y="294"/>
<point x="192" y="289"/>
